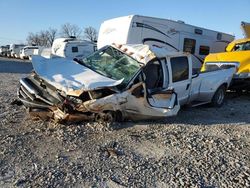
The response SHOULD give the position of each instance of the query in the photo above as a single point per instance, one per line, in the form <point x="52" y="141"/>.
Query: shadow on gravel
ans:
<point x="235" y="111"/>
<point x="15" y="66"/>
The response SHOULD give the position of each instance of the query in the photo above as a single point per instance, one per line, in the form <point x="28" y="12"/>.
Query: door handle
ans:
<point x="187" y="86"/>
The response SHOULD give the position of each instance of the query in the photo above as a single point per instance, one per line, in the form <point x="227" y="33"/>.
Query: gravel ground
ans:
<point x="201" y="147"/>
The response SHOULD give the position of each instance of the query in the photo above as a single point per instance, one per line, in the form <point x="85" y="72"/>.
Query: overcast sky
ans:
<point x="19" y="17"/>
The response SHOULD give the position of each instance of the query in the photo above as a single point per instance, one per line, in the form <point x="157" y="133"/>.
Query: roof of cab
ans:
<point x="145" y="53"/>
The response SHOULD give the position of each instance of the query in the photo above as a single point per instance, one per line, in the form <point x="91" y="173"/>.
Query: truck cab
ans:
<point x="237" y="55"/>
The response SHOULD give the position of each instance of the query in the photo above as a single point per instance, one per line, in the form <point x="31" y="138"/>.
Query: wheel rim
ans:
<point x="220" y="96"/>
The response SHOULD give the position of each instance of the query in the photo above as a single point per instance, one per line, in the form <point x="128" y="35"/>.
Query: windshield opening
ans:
<point x="112" y="63"/>
<point x="242" y="46"/>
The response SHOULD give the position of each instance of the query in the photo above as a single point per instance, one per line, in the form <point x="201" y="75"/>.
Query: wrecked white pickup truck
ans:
<point x="119" y="82"/>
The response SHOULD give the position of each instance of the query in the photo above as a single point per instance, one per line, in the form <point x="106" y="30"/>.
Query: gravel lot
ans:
<point x="201" y="147"/>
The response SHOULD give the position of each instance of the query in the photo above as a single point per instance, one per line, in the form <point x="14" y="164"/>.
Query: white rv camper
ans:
<point x="15" y="50"/>
<point x="4" y="50"/>
<point x="173" y="35"/>
<point x="28" y="51"/>
<point x="72" y="47"/>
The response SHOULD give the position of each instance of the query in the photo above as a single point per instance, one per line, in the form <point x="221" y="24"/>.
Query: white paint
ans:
<point x="67" y="75"/>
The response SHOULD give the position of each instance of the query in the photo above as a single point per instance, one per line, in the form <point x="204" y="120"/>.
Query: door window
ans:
<point x="180" y="68"/>
<point x="154" y="75"/>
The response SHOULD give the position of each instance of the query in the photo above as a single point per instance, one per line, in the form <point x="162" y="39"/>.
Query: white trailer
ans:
<point x="72" y="47"/>
<point x="15" y="50"/>
<point x="173" y="35"/>
<point x="4" y="50"/>
<point x="28" y="51"/>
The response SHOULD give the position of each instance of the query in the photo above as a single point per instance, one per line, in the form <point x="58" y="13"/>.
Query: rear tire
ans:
<point x="219" y="96"/>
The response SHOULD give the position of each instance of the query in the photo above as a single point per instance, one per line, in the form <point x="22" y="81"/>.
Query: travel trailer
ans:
<point x="15" y="50"/>
<point x="173" y="35"/>
<point x="4" y="50"/>
<point x="72" y="48"/>
<point x="28" y="51"/>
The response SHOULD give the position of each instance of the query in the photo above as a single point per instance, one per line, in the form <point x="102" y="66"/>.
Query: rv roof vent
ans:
<point x="180" y="21"/>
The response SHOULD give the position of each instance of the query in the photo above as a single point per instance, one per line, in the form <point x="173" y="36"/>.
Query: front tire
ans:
<point x="219" y="96"/>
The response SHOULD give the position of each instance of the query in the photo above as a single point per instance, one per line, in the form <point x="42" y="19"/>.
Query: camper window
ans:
<point x="204" y="50"/>
<point x="219" y="36"/>
<point x="74" y="49"/>
<point x="180" y="68"/>
<point x="189" y="45"/>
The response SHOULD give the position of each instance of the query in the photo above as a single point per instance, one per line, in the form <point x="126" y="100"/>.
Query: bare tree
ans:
<point x="42" y="38"/>
<point x="90" y="33"/>
<point x="33" y="39"/>
<point x="51" y="34"/>
<point x="69" y="30"/>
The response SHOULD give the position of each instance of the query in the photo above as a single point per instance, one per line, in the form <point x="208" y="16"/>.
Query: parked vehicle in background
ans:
<point x="72" y="47"/>
<point x="173" y="35"/>
<point x="15" y="50"/>
<point x="120" y="82"/>
<point x="44" y="52"/>
<point x="237" y="55"/>
<point x="28" y="51"/>
<point x="4" y="50"/>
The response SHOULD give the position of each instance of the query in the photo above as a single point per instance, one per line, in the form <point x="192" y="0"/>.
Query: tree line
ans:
<point x="46" y="37"/>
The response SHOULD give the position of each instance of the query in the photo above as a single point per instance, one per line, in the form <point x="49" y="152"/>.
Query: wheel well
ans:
<point x="224" y="84"/>
<point x="118" y="115"/>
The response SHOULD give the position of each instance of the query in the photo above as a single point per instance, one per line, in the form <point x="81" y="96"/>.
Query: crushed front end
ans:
<point x="45" y="101"/>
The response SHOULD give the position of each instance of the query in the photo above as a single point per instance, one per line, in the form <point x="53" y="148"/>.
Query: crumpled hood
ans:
<point x="69" y="76"/>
